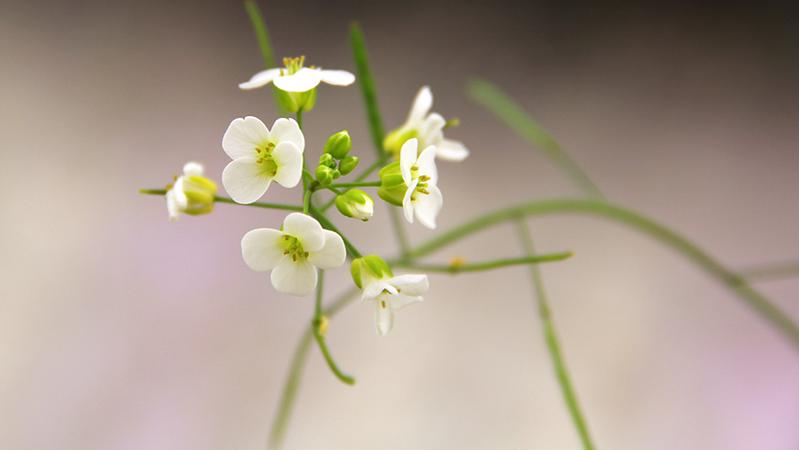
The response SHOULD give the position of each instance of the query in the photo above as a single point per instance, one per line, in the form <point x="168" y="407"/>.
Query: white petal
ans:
<point x="243" y="135"/>
<point x="306" y="229"/>
<point x="193" y="169"/>
<point x="431" y="126"/>
<point x="400" y="301"/>
<point x="295" y="278"/>
<point x="261" y="249"/>
<point x="450" y="150"/>
<point x="289" y="164"/>
<point x="260" y="79"/>
<point x="244" y="180"/>
<point x="407" y="203"/>
<point x="337" y="77"/>
<point x="408" y="158"/>
<point x="421" y="105"/>
<point x="375" y="288"/>
<point x="428" y="206"/>
<point x="172" y="206"/>
<point x="427" y="164"/>
<point x="303" y="80"/>
<point x="287" y="130"/>
<point x="384" y="318"/>
<point x="332" y="254"/>
<point x="410" y="284"/>
<point x="181" y="201"/>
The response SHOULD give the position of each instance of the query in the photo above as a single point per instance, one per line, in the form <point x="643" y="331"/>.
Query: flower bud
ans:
<point x="324" y="175"/>
<point x="348" y="164"/>
<point x="192" y="193"/>
<point x="370" y="267"/>
<point x="336" y="174"/>
<point x="392" y="186"/>
<point x="339" y="144"/>
<point x="393" y="142"/>
<point x="356" y="203"/>
<point x="296" y="101"/>
<point x="327" y="160"/>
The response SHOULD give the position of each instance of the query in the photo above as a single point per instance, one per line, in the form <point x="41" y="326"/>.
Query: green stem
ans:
<point x="492" y="98"/>
<point x="456" y="268"/>
<point x="299" y="118"/>
<point x="264" y="43"/>
<point x="306" y="200"/>
<point x="326" y="223"/>
<point x="760" y="303"/>
<point x="772" y="271"/>
<point x="553" y="344"/>
<point x="318" y="333"/>
<point x="219" y="199"/>
<point x="367" y="84"/>
<point x="356" y="184"/>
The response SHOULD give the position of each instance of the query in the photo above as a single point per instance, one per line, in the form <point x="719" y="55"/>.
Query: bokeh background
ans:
<point x="119" y="330"/>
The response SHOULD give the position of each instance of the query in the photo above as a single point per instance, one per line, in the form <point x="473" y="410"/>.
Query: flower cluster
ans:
<point x="307" y="241"/>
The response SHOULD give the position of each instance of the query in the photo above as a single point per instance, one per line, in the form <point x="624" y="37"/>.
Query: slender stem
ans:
<point x="319" y="333"/>
<point x="553" y="344"/>
<point x="219" y="199"/>
<point x="264" y="43"/>
<point x="759" y="302"/>
<point x="771" y="271"/>
<point x="326" y="223"/>
<point x="333" y="190"/>
<point x="356" y="184"/>
<point x="456" y="267"/>
<point x="306" y="200"/>
<point x="367" y="83"/>
<point x="299" y="118"/>
<point x="491" y="97"/>
<point x="378" y="163"/>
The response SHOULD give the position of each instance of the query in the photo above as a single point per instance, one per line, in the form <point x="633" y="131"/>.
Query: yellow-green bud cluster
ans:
<point x="370" y="267"/>
<point x="200" y="192"/>
<point x="356" y="203"/>
<point x="335" y="162"/>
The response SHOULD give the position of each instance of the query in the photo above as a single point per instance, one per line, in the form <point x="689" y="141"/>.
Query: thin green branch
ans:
<point x="367" y="84"/>
<point x="356" y="184"/>
<point x="553" y="343"/>
<point x="218" y="199"/>
<point x="319" y="323"/>
<point x="492" y="98"/>
<point x="458" y="267"/>
<point x="760" y="303"/>
<point x="771" y="271"/>
<point x="326" y="223"/>
<point x="264" y="43"/>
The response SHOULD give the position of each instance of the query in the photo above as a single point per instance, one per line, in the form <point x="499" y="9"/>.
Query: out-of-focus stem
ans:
<point x="457" y="267"/>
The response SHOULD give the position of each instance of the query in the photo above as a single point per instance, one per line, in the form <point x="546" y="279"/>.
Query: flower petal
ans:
<point x="384" y="317"/>
<point x="375" y="288"/>
<point x="450" y="150"/>
<point x="261" y="249"/>
<point x="407" y="203"/>
<point x="260" y="79"/>
<point x="428" y="206"/>
<point x="400" y="301"/>
<point x="193" y="169"/>
<point x="427" y="164"/>
<point x="421" y="105"/>
<point x="294" y="277"/>
<point x="408" y="159"/>
<point x="181" y="201"/>
<point x="303" y="80"/>
<point x="289" y="164"/>
<point x="332" y="254"/>
<point x="337" y="77"/>
<point x="410" y="284"/>
<point x="244" y="180"/>
<point x="172" y="205"/>
<point x="431" y="126"/>
<point x="287" y="130"/>
<point x="243" y="135"/>
<point x="306" y="229"/>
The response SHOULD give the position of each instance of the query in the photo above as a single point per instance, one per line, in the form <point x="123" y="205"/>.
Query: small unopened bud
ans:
<point x="327" y="160"/>
<point x="339" y="144"/>
<point x="191" y="193"/>
<point x="392" y="187"/>
<point x="357" y="204"/>
<point x="336" y="174"/>
<point x="368" y="268"/>
<point x="348" y="164"/>
<point x="324" y="175"/>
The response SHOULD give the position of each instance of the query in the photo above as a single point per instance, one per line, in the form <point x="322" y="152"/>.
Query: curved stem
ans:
<point x="553" y="343"/>
<point x="458" y="267"/>
<point x="760" y="303"/>
<point x="228" y="200"/>
<point x="318" y="324"/>
<point x="326" y="223"/>
<point x="771" y="271"/>
<point x="356" y="184"/>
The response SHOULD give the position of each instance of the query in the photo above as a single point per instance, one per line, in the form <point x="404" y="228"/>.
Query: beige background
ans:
<point x="119" y="330"/>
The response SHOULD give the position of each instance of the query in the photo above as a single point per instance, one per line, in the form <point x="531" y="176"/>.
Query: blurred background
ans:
<point x="120" y="330"/>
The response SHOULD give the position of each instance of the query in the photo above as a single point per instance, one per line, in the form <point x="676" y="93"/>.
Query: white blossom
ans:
<point x="423" y="199"/>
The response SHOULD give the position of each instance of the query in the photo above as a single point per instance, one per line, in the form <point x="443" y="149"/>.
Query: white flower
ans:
<point x="260" y="156"/>
<point x="191" y="193"/>
<point x="392" y="294"/>
<point x="423" y="198"/>
<point x="296" y="78"/>
<point x="428" y="128"/>
<point x="293" y="253"/>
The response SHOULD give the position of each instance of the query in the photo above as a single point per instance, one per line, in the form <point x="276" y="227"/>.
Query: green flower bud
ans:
<point x="356" y="203"/>
<point x="339" y="144"/>
<point x="327" y="160"/>
<point x="393" y="142"/>
<point x="370" y="267"/>
<point x="348" y="164"/>
<point x="336" y="174"/>
<point x="392" y="186"/>
<point x="296" y="101"/>
<point x="200" y="192"/>
<point x="324" y="175"/>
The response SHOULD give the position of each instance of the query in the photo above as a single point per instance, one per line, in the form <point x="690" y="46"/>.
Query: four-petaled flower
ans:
<point x="293" y="253"/>
<point x="260" y="156"/>
<point x="392" y="294"/>
<point x="296" y="78"/>
<point x="428" y="128"/>
<point x="191" y="193"/>
<point x="423" y="199"/>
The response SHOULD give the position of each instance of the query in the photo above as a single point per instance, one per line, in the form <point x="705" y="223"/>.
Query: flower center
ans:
<point x="422" y="185"/>
<point x="264" y="158"/>
<point x="293" y="65"/>
<point x="293" y="247"/>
